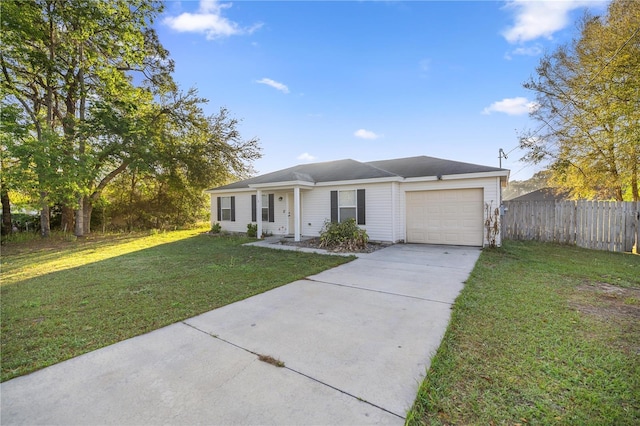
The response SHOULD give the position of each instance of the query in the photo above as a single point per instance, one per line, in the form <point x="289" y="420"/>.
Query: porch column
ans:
<point x="296" y="213"/>
<point x="259" y="212"/>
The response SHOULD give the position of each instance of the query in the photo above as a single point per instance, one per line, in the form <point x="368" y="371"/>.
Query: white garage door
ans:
<point x="445" y="217"/>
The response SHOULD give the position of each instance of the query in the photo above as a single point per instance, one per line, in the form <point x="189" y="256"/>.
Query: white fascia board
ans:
<point x="283" y="185"/>
<point x="228" y="191"/>
<point x="361" y="181"/>
<point x="500" y="173"/>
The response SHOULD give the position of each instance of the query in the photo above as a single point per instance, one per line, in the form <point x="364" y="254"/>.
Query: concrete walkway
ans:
<point x="355" y="340"/>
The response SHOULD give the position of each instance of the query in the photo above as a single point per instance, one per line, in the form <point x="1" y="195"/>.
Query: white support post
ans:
<point x="296" y="213"/>
<point x="259" y="212"/>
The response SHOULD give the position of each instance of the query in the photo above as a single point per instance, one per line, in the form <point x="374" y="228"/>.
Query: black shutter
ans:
<point x="334" y="206"/>
<point x="233" y="209"/>
<point x="219" y="210"/>
<point x="360" y="204"/>
<point x="254" y="213"/>
<point x="271" y="208"/>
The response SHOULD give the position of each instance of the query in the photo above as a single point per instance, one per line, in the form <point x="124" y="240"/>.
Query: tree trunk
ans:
<point x="634" y="182"/>
<point x="67" y="219"/>
<point x="87" y="209"/>
<point x="45" y="224"/>
<point x="79" y="214"/>
<point x="7" y="226"/>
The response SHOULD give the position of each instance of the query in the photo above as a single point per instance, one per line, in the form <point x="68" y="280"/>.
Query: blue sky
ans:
<point x="370" y="80"/>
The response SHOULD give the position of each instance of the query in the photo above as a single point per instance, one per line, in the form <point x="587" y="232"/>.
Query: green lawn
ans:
<point x="541" y="334"/>
<point x="64" y="298"/>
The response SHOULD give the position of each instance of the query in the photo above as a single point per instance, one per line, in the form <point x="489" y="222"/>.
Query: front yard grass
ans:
<point x="541" y="334"/>
<point x="64" y="298"/>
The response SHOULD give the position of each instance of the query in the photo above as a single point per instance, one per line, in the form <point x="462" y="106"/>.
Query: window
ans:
<point x="347" y="207"/>
<point x="265" y="207"/>
<point x="268" y="208"/>
<point x="348" y="204"/>
<point x="226" y="209"/>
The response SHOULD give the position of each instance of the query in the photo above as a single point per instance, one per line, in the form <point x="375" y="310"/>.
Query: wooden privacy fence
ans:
<point x="600" y="225"/>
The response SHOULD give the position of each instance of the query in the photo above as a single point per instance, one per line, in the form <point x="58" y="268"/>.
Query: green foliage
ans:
<point x="588" y="103"/>
<point x="25" y="222"/>
<point x="143" y="200"/>
<point x="81" y="119"/>
<point x="343" y="236"/>
<point x="252" y="230"/>
<point x="216" y="228"/>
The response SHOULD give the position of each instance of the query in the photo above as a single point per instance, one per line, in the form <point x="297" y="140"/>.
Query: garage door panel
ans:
<point x="445" y="217"/>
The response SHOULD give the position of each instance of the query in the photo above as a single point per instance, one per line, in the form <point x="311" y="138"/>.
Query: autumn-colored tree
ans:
<point x="588" y="96"/>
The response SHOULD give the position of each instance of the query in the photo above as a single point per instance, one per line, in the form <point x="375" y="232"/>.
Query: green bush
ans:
<point x="344" y="236"/>
<point x="216" y="228"/>
<point x="252" y="230"/>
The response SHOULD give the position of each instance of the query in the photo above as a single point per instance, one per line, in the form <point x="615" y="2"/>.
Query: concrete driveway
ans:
<point x="355" y="340"/>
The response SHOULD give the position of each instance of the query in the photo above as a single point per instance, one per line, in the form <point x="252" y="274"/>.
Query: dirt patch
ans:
<point x="315" y="243"/>
<point x="609" y="301"/>
<point x="618" y="307"/>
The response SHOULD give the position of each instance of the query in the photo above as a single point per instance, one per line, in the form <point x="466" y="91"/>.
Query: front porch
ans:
<point x="283" y="212"/>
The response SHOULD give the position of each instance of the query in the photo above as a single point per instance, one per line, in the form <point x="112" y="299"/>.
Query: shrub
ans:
<point x="344" y="236"/>
<point x="252" y="230"/>
<point x="216" y="228"/>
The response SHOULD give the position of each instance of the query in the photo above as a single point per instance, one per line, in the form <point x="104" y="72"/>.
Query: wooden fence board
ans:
<point x="600" y="225"/>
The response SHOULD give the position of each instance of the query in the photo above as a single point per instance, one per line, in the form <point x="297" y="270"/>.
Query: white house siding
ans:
<point x="398" y="212"/>
<point x="385" y="206"/>
<point x="243" y="211"/>
<point x="490" y="186"/>
<point x="316" y="209"/>
<point x="279" y="225"/>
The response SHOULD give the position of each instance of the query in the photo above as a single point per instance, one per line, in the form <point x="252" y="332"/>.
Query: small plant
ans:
<point x="343" y="236"/>
<point x="492" y="223"/>
<point x="216" y="228"/>
<point x="252" y="230"/>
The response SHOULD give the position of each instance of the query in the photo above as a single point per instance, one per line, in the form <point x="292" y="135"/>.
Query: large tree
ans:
<point x="95" y="84"/>
<point x="58" y="56"/>
<point x="588" y="96"/>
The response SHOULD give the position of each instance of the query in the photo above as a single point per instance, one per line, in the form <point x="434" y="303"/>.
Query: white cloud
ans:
<point x="511" y="106"/>
<point x="366" y="134"/>
<point x="208" y="20"/>
<point x="535" y="50"/>
<point x="275" y="84"/>
<point x="306" y="157"/>
<point x="541" y="18"/>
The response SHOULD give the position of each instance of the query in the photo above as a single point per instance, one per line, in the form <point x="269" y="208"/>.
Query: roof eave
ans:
<point x="283" y="185"/>
<point x="503" y="174"/>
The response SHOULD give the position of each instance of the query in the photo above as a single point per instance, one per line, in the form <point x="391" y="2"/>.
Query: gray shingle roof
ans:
<point x="344" y="170"/>
<point x="429" y="166"/>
